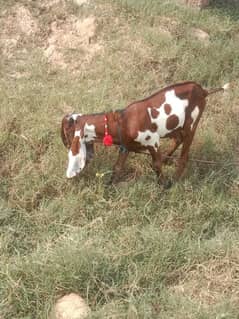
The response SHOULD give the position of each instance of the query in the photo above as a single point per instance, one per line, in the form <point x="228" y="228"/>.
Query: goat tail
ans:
<point x="224" y="88"/>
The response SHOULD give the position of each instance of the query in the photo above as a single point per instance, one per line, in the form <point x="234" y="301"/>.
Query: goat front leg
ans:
<point x="118" y="167"/>
<point x="89" y="152"/>
<point x="157" y="166"/>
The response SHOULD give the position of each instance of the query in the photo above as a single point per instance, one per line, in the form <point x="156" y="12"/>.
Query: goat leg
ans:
<point x="182" y="161"/>
<point x="157" y="166"/>
<point x="118" y="167"/>
<point x="176" y="142"/>
<point x="89" y="152"/>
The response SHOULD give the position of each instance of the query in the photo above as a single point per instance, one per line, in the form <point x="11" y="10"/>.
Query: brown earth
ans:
<point x="64" y="43"/>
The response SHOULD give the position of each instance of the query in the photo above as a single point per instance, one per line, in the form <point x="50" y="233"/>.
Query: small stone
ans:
<point x="70" y="306"/>
<point x="80" y="2"/>
<point x="200" y="34"/>
<point x="198" y="3"/>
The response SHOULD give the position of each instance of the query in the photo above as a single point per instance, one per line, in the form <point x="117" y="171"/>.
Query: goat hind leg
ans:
<point x="182" y="161"/>
<point x="176" y="142"/>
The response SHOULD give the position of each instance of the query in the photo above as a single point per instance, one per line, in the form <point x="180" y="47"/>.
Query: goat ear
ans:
<point x="63" y="136"/>
<point x="67" y="130"/>
<point x="76" y="157"/>
<point x="75" y="145"/>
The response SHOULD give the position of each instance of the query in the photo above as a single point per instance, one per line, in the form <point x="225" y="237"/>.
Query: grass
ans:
<point x="134" y="250"/>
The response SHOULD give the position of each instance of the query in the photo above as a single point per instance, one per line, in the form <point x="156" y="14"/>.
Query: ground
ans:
<point x="133" y="250"/>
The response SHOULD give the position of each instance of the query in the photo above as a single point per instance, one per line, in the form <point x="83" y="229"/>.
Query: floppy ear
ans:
<point x="76" y="157"/>
<point x="67" y="130"/>
<point x="75" y="145"/>
<point x="63" y="137"/>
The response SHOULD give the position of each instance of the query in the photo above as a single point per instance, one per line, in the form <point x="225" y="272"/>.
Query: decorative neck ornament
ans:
<point x="107" y="140"/>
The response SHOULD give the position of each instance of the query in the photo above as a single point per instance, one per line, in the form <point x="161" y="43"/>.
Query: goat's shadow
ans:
<point x="228" y="8"/>
<point x="215" y="167"/>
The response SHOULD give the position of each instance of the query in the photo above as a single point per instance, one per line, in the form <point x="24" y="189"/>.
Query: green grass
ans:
<point x="134" y="250"/>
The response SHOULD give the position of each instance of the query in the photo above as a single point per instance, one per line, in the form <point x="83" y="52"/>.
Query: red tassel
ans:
<point x="108" y="140"/>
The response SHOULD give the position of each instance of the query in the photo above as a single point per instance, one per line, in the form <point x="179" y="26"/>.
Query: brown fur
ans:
<point x="167" y="109"/>
<point x="172" y="122"/>
<point x="154" y="113"/>
<point x="75" y="146"/>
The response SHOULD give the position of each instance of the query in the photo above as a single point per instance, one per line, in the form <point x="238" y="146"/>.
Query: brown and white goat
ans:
<point x="172" y="112"/>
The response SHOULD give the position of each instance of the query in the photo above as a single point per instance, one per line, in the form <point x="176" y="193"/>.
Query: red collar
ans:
<point x="107" y="140"/>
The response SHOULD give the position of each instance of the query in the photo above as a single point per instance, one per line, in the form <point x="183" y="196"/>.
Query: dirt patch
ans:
<point x="211" y="282"/>
<point x="67" y="41"/>
<point x="17" y="24"/>
<point x="69" y="38"/>
<point x="23" y="21"/>
<point x="50" y="3"/>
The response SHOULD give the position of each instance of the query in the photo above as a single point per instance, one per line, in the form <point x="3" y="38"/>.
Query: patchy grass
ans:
<point x="133" y="251"/>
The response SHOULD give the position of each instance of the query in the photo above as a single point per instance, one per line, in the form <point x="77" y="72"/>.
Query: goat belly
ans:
<point x="148" y="138"/>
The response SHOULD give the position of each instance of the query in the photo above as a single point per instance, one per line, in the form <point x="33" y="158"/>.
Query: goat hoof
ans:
<point x="167" y="184"/>
<point x="109" y="183"/>
<point x="168" y="161"/>
<point x="113" y="180"/>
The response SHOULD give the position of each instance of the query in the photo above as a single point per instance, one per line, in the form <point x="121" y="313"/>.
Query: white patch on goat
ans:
<point x="89" y="132"/>
<point x="76" y="162"/>
<point x="194" y="115"/>
<point x="178" y="107"/>
<point x="75" y="115"/>
<point x="77" y="133"/>
<point x="148" y="138"/>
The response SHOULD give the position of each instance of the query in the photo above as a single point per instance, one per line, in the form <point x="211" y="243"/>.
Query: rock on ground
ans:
<point x="200" y="35"/>
<point x="70" y="306"/>
<point x="198" y="3"/>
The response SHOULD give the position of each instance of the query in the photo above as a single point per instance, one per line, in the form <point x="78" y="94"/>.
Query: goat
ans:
<point x="172" y="112"/>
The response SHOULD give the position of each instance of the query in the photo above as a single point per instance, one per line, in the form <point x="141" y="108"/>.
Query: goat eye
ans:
<point x="71" y="121"/>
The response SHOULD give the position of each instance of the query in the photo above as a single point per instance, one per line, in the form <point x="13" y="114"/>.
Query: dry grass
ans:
<point x="131" y="251"/>
<point x="211" y="282"/>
